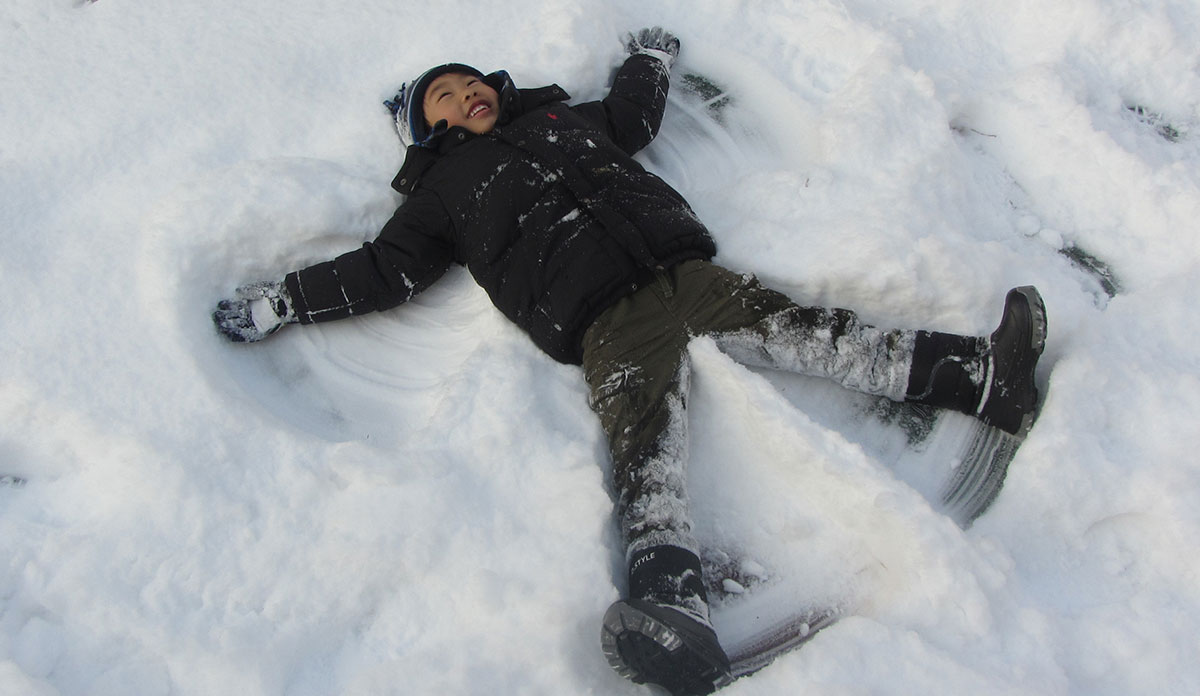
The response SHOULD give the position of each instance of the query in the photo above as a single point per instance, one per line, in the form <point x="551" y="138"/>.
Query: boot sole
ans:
<point x="640" y="646"/>
<point x="1037" y="343"/>
<point x="1037" y="307"/>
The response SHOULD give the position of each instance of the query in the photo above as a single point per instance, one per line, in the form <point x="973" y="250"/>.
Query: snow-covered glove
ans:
<point x="257" y="311"/>
<point x="656" y="42"/>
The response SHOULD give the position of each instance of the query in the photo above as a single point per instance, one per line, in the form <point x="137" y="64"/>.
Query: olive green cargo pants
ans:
<point x="636" y="364"/>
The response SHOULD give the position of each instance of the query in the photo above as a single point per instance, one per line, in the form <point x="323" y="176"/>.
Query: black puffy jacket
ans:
<point x="548" y="211"/>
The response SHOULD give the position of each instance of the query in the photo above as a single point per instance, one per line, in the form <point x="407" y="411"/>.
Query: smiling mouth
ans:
<point x="477" y="109"/>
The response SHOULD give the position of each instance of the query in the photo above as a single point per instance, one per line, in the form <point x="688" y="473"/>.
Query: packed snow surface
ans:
<point x="417" y="502"/>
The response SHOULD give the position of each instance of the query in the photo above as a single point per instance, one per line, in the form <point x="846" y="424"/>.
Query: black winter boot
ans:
<point x="662" y="635"/>
<point x="989" y="378"/>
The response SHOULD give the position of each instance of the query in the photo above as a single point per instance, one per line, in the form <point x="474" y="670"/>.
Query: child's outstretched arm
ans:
<point x="633" y="109"/>
<point x="411" y="252"/>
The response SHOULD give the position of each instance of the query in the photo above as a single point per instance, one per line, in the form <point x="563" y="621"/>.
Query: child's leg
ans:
<point x="990" y="377"/>
<point x="635" y="363"/>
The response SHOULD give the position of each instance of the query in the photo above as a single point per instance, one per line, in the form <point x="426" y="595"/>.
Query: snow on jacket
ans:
<point x="549" y="212"/>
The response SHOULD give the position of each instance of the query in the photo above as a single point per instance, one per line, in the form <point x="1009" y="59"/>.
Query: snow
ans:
<point x="417" y="501"/>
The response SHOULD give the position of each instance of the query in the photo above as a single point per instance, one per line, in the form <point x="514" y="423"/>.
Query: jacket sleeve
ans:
<point x="633" y="109"/>
<point x="411" y="252"/>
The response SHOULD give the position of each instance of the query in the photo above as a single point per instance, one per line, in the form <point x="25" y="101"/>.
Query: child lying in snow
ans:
<point x="605" y="265"/>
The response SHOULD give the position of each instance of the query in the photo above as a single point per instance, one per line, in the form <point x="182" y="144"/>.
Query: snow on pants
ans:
<point x="635" y="361"/>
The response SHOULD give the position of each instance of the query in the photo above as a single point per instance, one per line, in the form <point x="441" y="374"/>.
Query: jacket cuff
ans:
<point x="665" y="58"/>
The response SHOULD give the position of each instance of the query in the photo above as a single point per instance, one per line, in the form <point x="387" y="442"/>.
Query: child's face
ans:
<point x="462" y="100"/>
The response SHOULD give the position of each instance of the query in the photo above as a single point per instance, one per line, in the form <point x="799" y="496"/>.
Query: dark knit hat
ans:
<point x="408" y="105"/>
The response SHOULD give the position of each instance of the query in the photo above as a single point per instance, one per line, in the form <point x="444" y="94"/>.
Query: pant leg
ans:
<point x="635" y="363"/>
<point x="761" y="327"/>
